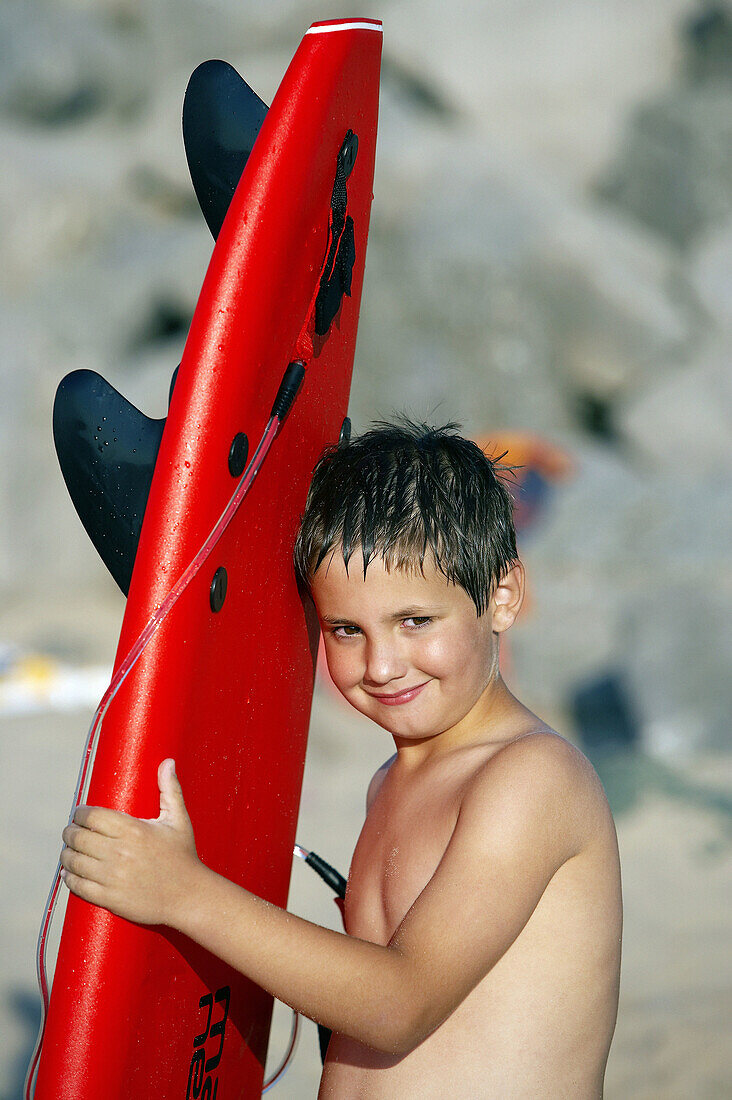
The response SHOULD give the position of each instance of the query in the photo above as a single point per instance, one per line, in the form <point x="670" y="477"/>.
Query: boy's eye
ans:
<point x="417" y="621"/>
<point x="346" y="631"/>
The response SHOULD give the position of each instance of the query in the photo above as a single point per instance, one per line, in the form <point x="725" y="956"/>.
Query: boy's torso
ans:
<point x="540" y="1023"/>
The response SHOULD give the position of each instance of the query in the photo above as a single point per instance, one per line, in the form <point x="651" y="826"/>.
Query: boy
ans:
<point x="483" y="908"/>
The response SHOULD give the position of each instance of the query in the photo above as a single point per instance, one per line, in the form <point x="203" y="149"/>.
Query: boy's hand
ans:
<point x="142" y="870"/>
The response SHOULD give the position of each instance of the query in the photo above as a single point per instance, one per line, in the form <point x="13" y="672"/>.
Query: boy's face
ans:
<point x="406" y="650"/>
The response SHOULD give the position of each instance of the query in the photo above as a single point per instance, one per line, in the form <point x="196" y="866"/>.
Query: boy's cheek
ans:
<point x="456" y="655"/>
<point x="346" y="675"/>
<point x="342" y="666"/>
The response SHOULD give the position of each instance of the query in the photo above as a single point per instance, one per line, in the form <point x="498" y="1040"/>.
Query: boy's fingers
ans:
<point x="86" y="841"/>
<point x="81" y="865"/>
<point x="83" y="888"/>
<point x="100" y="820"/>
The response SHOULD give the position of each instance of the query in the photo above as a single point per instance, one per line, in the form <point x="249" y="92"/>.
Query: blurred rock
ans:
<point x="57" y="194"/>
<point x="676" y="623"/>
<point x="708" y="38"/>
<point x="136" y="287"/>
<point x="675" y="170"/>
<point x="577" y="583"/>
<point x="682" y="425"/>
<point x="187" y="32"/>
<point x="547" y="82"/>
<point x="444" y="324"/>
<point x="65" y="65"/>
<point x="711" y="275"/>
<point x="632" y="574"/>
<point x="511" y="301"/>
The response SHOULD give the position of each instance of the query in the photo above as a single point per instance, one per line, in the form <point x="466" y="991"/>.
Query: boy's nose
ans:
<point x="384" y="662"/>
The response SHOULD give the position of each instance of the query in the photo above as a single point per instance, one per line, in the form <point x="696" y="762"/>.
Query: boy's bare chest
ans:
<point x="401" y="844"/>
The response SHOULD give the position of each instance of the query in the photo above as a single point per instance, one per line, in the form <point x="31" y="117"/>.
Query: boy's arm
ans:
<point x="513" y="832"/>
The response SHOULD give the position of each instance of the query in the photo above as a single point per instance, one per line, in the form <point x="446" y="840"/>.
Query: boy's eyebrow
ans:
<point x="405" y="613"/>
<point x="417" y="610"/>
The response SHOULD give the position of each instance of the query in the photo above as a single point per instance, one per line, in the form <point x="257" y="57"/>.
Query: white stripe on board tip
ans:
<point x="345" y="27"/>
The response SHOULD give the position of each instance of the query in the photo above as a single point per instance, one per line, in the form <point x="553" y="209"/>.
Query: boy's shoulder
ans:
<point x="540" y="767"/>
<point x="536" y="751"/>
<point x="541" y="754"/>
<point x="540" y="782"/>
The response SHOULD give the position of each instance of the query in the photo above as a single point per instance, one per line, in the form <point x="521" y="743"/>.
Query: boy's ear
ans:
<point x="508" y="597"/>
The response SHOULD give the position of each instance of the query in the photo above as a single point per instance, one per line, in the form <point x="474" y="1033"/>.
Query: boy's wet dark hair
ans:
<point x="403" y="489"/>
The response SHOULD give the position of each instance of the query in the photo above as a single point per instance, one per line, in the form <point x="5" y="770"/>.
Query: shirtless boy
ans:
<point x="483" y="909"/>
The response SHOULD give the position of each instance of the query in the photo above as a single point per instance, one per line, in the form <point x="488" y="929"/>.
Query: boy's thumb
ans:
<point x="172" y="805"/>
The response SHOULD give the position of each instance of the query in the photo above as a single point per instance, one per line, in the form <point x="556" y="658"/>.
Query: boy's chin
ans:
<point x="393" y="720"/>
<point x="403" y="728"/>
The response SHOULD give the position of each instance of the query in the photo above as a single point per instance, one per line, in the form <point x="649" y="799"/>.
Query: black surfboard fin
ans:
<point x="107" y="451"/>
<point x="222" y="116"/>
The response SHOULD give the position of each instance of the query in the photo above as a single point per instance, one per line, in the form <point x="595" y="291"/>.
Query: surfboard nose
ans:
<point x="107" y="450"/>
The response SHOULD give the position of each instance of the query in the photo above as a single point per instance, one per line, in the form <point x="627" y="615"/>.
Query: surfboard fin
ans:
<point x="107" y="451"/>
<point x="222" y="116"/>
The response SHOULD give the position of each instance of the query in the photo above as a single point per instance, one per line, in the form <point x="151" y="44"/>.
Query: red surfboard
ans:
<point x="144" y="1012"/>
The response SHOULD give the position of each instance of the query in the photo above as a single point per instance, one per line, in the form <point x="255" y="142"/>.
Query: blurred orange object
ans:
<point x="540" y="463"/>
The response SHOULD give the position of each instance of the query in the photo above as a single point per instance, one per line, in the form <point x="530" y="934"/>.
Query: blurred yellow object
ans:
<point x="35" y="682"/>
<point x="38" y="670"/>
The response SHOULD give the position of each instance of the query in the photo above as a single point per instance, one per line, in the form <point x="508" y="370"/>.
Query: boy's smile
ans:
<point x="407" y="649"/>
<point x="399" y="697"/>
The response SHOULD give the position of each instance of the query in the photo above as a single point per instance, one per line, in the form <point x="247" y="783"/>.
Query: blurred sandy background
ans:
<point x="550" y="255"/>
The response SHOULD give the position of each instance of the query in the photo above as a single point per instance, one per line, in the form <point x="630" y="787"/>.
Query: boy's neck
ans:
<point x="497" y="718"/>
